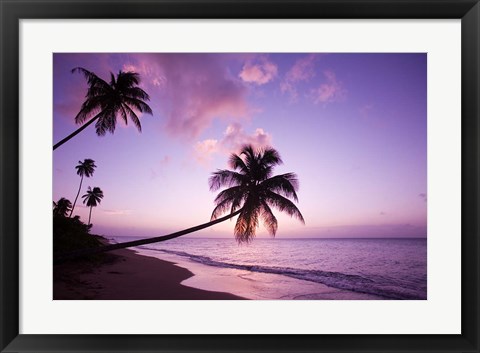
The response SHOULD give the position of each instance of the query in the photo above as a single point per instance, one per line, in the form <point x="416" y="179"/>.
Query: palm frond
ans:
<point x="270" y="157"/>
<point x="247" y="223"/>
<point x="91" y="78"/>
<point x="235" y="162"/>
<point x="138" y="104"/>
<point x="88" y="108"/>
<point x="284" y="205"/>
<point x="123" y="114"/>
<point x="225" y="178"/>
<point x="106" y="122"/>
<point x="133" y="117"/>
<point x="137" y="93"/>
<point x="228" y="198"/>
<point x="284" y="184"/>
<point x="127" y="79"/>
<point x="269" y="220"/>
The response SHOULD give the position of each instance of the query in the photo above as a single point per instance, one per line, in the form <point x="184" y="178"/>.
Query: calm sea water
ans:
<point x="389" y="268"/>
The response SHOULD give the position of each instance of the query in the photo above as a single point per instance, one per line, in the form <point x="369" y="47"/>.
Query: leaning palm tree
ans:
<point x="251" y="194"/>
<point x="106" y="100"/>
<point x="92" y="198"/>
<point x="61" y="207"/>
<point x="85" y="168"/>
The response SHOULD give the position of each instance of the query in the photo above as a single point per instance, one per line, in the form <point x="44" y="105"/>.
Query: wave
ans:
<point x="354" y="283"/>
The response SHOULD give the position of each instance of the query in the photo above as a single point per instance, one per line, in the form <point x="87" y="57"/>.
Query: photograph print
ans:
<point x="239" y="176"/>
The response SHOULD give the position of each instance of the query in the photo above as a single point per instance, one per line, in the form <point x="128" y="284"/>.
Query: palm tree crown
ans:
<point x="85" y="168"/>
<point x="106" y="100"/>
<point x="61" y="207"/>
<point x="120" y="96"/>
<point x="252" y="188"/>
<point x="93" y="196"/>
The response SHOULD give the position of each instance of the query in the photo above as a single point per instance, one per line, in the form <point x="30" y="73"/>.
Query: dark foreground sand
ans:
<point x="124" y="275"/>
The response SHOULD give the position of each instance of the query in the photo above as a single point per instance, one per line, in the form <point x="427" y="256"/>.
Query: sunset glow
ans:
<point x="353" y="127"/>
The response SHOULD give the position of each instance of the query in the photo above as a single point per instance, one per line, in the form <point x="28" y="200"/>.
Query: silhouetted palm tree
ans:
<point x="92" y="198"/>
<point x="252" y="192"/>
<point x="85" y="168"/>
<point x="253" y="189"/>
<point x="105" y="101"/>
<point x="61" y="207"/>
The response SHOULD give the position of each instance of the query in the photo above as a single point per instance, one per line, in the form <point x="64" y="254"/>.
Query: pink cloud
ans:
<point x="330" y="91"/>
<point x="205" y="149"/>
<point x="192" y="90"/>
<point x="260" y="73"/>
<point x="117" y="212"/>
<point x="234" y="138"/>
<point x="302" y="70"/>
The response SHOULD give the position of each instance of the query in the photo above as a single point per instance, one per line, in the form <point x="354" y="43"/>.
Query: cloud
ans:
<point x="234" y="138"/>
<point x="117" y="212"/>
<point x="192" y="90"/>
<point x="302" y="70"/>
<point x="205" y="149"/>
<point x="260" y="73"/>
<point x="330" y="91"/>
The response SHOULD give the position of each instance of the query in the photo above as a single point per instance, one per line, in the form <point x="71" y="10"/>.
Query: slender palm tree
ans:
<point x="251" y="193"/>
<point x="85" y="168"/>
<point x="61" y="207"/>
<point x="92" y="198"/>
<point x="106" y="100"/>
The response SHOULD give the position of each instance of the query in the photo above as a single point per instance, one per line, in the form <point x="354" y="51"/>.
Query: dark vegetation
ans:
<point x="71" y="234"/>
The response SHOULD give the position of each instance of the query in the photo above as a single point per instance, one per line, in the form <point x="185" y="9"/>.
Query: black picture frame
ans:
<point x="12" y="11"/>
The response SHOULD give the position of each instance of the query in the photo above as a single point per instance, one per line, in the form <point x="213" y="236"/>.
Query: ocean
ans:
<point x="384" y="269"/>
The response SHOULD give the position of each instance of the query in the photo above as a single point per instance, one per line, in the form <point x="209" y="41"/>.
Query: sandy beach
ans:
<point x="125" y="275"/>
<point x="145" y="275"/>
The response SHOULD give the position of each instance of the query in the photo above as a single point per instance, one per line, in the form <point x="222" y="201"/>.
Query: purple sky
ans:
<point x="352" y="126"/>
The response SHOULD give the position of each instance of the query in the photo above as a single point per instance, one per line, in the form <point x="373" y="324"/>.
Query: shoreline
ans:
<point x="127" y="275"/>
<point x="256" y="285"/>
<point x="140" y="274"/>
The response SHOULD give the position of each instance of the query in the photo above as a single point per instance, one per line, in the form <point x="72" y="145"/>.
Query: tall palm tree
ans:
<point x="85" y="168"/>
<point x="106" y="100"/>
<point x="92" y="198"/>
<point x="61" y="207"/>
<point x="251" y="193"/>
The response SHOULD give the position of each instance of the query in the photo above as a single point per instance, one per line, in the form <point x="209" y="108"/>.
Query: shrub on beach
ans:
<point x="71" y="234"/>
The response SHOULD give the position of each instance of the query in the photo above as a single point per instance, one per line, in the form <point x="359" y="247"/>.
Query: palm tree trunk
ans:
<point x="86" y="252"/>
<point x="90" y="215"/>
<point x="78" y="193"/>
<point x="76" y="132"/>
